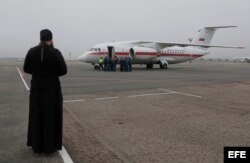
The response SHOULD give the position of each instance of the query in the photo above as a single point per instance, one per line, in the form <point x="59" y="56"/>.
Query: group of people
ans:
<point x="109" y="64"/>
<point x="125" y="64"/>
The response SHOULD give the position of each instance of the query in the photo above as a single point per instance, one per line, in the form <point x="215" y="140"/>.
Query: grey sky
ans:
<point x="79" y="24"/>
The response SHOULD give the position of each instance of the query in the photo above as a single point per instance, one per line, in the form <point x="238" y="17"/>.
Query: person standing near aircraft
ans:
<point x="105" y="63"/>
<point x="126" y="64"/>
<point x="115" y="62"/>
<point x="45" y="63"/>
<point x="100" y="63"/>
<point x="121" y="64"/>
<point x="129" y="64"/>
<point x="110" y="64"/>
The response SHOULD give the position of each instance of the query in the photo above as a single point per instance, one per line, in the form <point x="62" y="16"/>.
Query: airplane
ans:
<point x="156" y="52"/>
<point x="242" y="59"/>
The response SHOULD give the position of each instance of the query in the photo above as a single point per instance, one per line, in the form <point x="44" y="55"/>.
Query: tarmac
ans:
<point x="187" y="113"/>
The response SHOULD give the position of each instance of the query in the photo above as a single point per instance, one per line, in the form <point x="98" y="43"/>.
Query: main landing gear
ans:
<point x="149" y="65"/>
<point x="163" y="65"/>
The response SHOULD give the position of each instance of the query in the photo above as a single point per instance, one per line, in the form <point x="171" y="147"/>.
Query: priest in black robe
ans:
<point x="46" y="64"/>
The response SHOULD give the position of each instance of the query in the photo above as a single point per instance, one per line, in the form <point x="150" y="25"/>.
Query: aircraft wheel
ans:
<point x="165" y="66"/>
<point x="161" y="66"/>
<point x="150" y="66"/>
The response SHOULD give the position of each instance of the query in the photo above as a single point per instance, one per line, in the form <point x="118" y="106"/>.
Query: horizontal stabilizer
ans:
<point x="221" y="27"/>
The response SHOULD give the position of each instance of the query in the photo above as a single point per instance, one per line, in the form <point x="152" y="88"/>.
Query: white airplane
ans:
<point x="155" y="52"/>
<point x="242" y="59"/>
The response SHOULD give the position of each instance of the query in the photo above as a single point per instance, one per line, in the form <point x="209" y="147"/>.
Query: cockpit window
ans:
<point x="95" y="49"/>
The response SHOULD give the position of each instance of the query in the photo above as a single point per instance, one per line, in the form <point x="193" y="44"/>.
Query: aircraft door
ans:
<point x="111" y="51"/>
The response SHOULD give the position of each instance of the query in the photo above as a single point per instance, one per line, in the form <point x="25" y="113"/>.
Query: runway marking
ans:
<point x="21" y="76"/>
<point x="139" y="95"/>
<point x="180" y="93"/>
<point x="115" y="79"/>
<point x="106" y="98"/>
<point x="65" y="156"/>
<point x="78" y="100"/>
<point x="186" y="94"/>
<point x="150" y="94"/>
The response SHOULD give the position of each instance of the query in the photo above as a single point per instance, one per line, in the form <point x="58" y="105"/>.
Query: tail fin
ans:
<point x="206" y="34"/>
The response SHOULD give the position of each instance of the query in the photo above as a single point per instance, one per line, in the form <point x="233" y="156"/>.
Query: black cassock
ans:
<point x="45" y="64"/>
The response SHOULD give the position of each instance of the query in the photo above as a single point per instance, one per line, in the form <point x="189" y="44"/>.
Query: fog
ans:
<point x="77" y="25"/>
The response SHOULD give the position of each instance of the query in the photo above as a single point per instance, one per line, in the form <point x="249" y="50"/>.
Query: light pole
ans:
<point x="70" y="56"/>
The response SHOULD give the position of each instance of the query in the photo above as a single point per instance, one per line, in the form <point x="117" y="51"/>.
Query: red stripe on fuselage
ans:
<point x="126" y="53"/>
<point x="182" y="55"/>
<point x="146" y="53"/>
<point x="150" y="54"/>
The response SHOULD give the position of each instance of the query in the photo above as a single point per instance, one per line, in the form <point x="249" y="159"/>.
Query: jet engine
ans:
<point x="142" y="53"/>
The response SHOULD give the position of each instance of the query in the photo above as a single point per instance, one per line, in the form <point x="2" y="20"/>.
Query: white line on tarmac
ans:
<point x="24" y="82"/>
<point x="151" y="94"/>
<point x="63" y="152"/>
<point x="186" y="94"/>
<point x="181" y="93"/>
<point x="165" y="90"/>
<point x="107" y="98"/>
<point x="78" y="100"/>
<point x="65" y="156"/>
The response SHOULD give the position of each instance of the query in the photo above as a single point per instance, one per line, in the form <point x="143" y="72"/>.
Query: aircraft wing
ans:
<point x="161" y="45"/>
